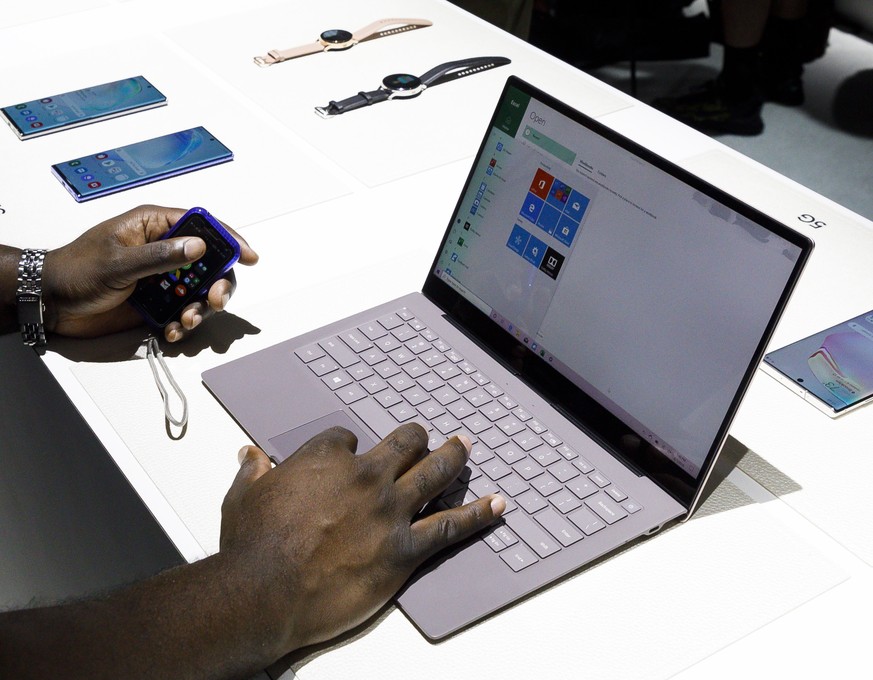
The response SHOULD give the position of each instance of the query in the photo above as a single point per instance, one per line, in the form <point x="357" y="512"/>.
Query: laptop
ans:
<point x="591" y="320"/>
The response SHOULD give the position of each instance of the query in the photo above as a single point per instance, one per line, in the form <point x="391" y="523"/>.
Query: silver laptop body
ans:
<point x="592" y="319"/>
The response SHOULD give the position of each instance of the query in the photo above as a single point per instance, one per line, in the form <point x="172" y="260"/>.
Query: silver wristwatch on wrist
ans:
<point x="29" y="297"/>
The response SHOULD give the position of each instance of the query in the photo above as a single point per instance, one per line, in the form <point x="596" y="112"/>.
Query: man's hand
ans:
<point x="86" y="283"/>
<point x="332" y="536"/>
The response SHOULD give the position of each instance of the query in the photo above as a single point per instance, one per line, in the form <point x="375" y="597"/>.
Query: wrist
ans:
<point x="262" y="600"/>
<point x="8" y="288"/>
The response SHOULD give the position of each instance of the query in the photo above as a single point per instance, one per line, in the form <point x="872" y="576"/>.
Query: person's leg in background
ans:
<point x="762" y="60"/>
<point x="782" y="52"/>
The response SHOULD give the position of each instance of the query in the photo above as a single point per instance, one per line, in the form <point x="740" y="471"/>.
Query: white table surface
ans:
<point x="770" y="578"/>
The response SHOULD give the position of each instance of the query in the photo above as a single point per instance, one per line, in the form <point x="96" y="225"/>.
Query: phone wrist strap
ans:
<point x="156" y="361"/>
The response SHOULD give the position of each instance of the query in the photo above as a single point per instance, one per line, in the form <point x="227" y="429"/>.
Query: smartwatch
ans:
<point x="406" y="86"/>
<point x="338" y="39"/>
<point x="28" y="297"/>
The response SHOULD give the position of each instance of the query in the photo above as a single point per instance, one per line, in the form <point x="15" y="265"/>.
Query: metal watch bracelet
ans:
<point x="29" y="296"/>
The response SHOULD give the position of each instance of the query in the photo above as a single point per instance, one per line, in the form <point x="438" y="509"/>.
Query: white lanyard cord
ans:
<point x="154" y="355"/>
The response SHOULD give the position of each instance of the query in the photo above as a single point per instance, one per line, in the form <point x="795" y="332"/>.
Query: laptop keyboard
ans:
<point x="395" y="370"/>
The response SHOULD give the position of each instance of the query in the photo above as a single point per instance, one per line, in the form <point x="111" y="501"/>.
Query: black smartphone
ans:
<point x="832" y="369"/>
<point x="162" y="297"/>
<point x="80" y="107"/>
<point x="130" y="166"/>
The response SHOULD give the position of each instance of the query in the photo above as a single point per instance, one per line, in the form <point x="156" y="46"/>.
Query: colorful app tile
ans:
<point x="532" y="207"/>
<point x="534" y="251"/>
<point x="558" y="194"/>
<point x="549" y="219"/>
<point x="576" y="205"/>
<point x="541" y="184"/>
<point x="566" y="230"/>
<point x="518" y="239"/>
<point x="552" y="262"/>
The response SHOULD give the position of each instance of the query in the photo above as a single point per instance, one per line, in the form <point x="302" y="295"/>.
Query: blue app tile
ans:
<point x="534" y="251"/>
<point x="549" y="219"/>
<point x="532" y="207"/>
<point x="566" y="230"/>
<point x="558" y="194"/>
<point x="576" y="205"/>
<point x="518" y="239"/>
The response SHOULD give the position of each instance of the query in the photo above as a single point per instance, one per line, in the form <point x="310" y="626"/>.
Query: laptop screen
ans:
<point x="635" y="296"/>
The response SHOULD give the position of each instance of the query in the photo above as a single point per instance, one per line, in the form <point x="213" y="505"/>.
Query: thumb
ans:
<point x="254" y="463"/>
<point x="161" y="256"/>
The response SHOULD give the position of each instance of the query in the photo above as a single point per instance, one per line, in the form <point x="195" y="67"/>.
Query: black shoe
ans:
<point x="710" y="109"/>
<point x="787" y="91"/>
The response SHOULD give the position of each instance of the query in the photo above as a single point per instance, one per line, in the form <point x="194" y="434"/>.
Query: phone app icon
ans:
<point x="74" y="164"/>
<point x="94" y="185"/>
<point x="101" y="156"/>
<point x="180" y="290"/>
<point x="164" y="284"/>
<point x="20" y="106"/>
<point x="30" y="119"/>
<point x="36" y="125"/>
<point x="26" y="112"/>
<point x="47" y="100"/>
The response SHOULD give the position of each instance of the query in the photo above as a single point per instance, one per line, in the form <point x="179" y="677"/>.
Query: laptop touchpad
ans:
<point x="285" y="444"/>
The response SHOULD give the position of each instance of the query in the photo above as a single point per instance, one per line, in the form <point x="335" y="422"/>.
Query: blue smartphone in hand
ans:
<point x="162" y="297"/>
<point x="80" y="107"/>
<point x="108" y="172"/>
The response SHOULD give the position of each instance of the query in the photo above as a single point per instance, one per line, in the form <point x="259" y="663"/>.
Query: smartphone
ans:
<point x="131" y="166"/>
<point x="832" y="369"/>
<point x="162" y="297"/>
<point x="81" y="107"/>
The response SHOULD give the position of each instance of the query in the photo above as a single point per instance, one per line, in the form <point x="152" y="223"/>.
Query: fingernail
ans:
<point x="173" y="335"/>
<point x="241" y="456"/>
<point x="193" y="248"/>
<point x="465" y="440"/>
<point x="195" y="320"/>
<point x="224" y="300"/>
<point x="498" y="505"/>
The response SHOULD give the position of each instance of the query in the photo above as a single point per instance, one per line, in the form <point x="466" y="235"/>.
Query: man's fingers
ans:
<point x="398" y="452"/>
<point x="419" y="483"/>
<point x="253" y="464"/>
<point x="158" y="257"/>
<point x="440" y="530"/>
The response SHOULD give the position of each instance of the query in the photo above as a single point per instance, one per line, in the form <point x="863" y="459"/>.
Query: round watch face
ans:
<point x="336" y="36"/>
<point x="401" y="82"/>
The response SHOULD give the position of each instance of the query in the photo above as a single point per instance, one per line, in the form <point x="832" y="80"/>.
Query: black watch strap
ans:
<point x="334" y="108"/>
<point x="453" y="70"/>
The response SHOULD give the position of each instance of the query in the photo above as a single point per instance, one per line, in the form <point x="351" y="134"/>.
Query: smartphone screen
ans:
<point x="80" y="107"/>
<point x="833" y="368"/>
<point x="160" y="298"/>
<point x="130" y="166"/>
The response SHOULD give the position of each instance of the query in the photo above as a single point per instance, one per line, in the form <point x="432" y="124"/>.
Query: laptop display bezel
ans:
<point x="581" y="408"/>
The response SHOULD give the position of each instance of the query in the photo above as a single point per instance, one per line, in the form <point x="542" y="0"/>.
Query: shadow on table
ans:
<point x="217" y="333"/>
<point x="720" y="495"/>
